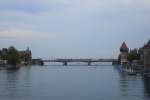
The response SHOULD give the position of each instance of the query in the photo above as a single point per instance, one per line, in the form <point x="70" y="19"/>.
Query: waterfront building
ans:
<point x="147" y="55"/>
<point x="3" y="53"/>
<point x="3" y="62"/>
<point x="3" y="56"/>
<point x="124" y="53"/>
<point x="25" y="56"/>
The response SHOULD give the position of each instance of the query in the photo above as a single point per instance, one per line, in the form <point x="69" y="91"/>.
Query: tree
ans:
<point x="12" y="56"/>
<point x="141" y="51"/>
<point x="133" y="55"/>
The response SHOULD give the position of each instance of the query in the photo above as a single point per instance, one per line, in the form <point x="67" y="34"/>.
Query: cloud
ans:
<point x="27" y="34"/>
<point x="74" y="6"/>
<point x="75" y="17"/>
<point x="77" y="22"/>
<point x="15" y="33"/>
<point x="57" y="14"/>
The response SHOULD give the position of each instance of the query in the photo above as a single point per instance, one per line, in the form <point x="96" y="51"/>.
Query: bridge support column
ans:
<point x="65" y="63"/>
<point x="89" y="63"/>
<point x="41" y="63"/>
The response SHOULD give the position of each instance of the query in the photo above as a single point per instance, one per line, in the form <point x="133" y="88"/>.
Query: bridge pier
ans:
<point x="89" y="63"/>
<point x="65" y="63"/>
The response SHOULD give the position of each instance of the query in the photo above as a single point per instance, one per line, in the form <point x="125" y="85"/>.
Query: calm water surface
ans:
<point x="71" y="83"/>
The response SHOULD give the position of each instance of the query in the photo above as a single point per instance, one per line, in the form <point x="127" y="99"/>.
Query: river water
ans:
<point x="71" y="83"/>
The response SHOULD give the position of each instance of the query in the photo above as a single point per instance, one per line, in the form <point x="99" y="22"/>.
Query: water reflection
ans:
<point x="71" y="83"/>
<point x="134" y="86"/>
<point x="14" y="83"/>
<point x="131" y="85"/>
<point x="147" y="86"/>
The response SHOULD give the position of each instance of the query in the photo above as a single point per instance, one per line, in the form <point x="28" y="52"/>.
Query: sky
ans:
<point x="74" y="28"/>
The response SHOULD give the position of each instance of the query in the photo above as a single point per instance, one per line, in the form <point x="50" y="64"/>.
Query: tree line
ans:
<point x="11" y="55"/>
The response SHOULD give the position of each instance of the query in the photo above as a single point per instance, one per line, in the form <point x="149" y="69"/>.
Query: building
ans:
<point x="124" y="53"/>
<point x="3" y="53"/>
<point x="3" y="56"/>
<point x="3" y="62"/>
<point x="25" y="56"/>
<point x="147" y="55"/>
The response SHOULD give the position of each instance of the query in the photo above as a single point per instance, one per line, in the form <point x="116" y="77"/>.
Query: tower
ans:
<point x="28" y="54"/>
<point x="124" y="53"/>
<point x="147" y="56"/>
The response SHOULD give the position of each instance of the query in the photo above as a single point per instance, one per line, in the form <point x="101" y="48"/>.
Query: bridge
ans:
<point x="88" y="61"/>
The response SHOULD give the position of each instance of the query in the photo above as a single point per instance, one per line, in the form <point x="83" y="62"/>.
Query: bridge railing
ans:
<point x="81" y="60"/>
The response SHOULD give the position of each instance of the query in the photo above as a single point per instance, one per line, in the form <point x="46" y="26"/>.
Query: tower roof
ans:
<point x="124" y="46"/>
<point x="147" y="45"/>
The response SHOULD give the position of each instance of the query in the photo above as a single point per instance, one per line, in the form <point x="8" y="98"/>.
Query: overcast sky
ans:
<point x="74" y="28"/>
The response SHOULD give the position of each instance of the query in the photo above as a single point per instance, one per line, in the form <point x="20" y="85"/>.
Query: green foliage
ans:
<point x="12" y="56"/>
<point x="141" y="51"/>
<point x="133" y="55"/>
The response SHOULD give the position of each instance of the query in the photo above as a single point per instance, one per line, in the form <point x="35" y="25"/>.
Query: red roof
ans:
<point x="124" y="46"/>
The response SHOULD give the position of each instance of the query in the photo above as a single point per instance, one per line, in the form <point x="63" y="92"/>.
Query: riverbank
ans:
<point x="134" y="70"/>
<point x="8" y="66"/>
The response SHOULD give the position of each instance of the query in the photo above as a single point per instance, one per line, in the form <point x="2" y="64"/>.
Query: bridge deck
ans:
<point x="81" y="60"/>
